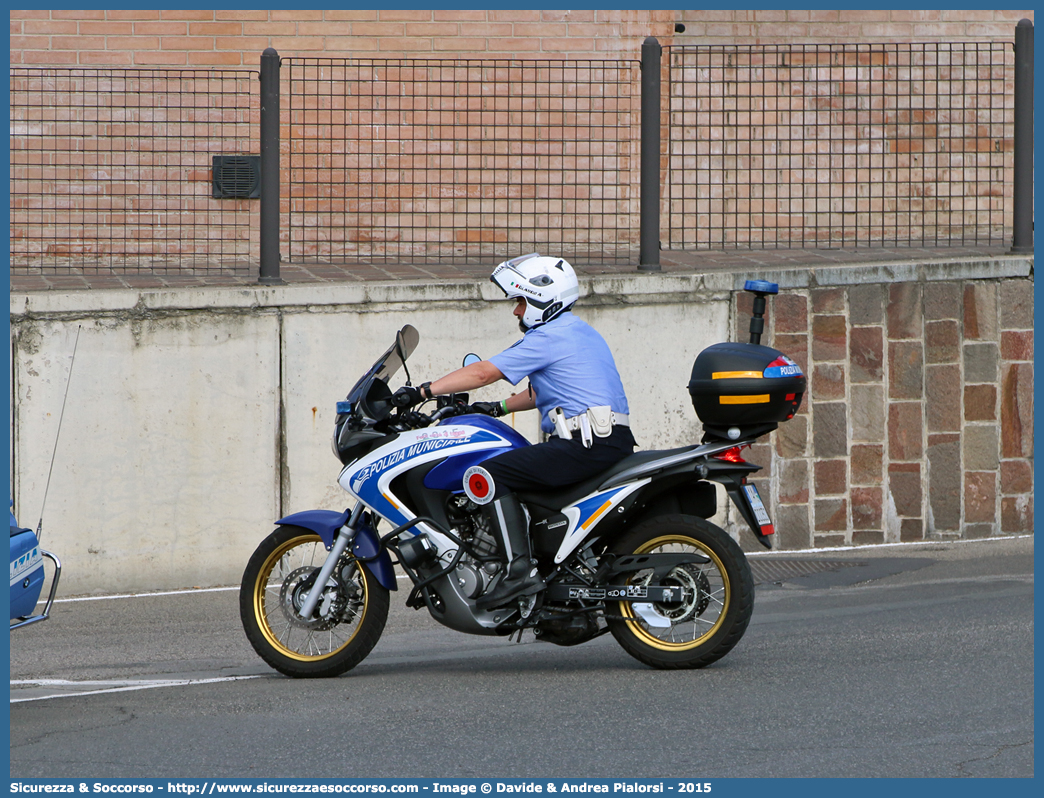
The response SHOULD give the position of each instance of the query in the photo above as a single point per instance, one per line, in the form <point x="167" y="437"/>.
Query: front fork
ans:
<point x="344" y="538"/>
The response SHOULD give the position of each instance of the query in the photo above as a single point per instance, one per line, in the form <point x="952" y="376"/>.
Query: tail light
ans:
<point x="731" y="455"/>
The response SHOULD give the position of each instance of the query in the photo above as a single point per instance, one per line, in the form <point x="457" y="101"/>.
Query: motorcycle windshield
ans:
<point x="388" y="364"/>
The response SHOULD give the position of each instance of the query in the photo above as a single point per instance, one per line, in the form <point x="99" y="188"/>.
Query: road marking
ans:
<point x="190" y="592"/>
<point x="187" y="592"/>
<point x="112" y="686"/>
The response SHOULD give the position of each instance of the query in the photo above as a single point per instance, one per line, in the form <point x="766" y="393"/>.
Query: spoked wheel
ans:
<point x="346" y="624"/>
<point x="717" y="595"/>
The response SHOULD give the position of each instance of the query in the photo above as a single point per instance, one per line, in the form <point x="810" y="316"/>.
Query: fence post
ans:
<point x="1022" y="218"/>
<point x="270" y="168"/>
<point x="649" y="235"/>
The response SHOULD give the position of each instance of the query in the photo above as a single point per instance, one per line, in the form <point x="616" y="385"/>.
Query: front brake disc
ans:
<point x="328" y="612"/>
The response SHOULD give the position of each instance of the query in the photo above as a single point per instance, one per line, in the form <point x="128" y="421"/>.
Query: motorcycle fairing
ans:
<point x="494" y="425"/>
<point x="365" y="547"/>
<point x="369" y="479"/>
<point x="449" y="475"/>
<point x="585" y="514"/>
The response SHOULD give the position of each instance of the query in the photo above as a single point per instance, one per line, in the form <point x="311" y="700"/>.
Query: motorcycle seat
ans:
<point x="557" y="499"/>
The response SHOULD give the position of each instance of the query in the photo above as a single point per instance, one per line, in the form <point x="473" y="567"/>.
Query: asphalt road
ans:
<point x="913" y="661"/>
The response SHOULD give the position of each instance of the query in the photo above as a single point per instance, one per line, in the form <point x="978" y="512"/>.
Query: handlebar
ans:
<point x="449" y="405"/>
<point x="449" y="410"/>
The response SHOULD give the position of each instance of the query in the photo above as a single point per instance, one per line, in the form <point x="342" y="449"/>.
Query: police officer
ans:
<point x="574" y="383"/>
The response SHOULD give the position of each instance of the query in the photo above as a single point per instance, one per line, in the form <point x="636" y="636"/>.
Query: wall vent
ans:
<point x="237" y="176"/>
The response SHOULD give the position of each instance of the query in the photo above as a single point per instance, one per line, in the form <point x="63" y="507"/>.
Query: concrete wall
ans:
<point x="197" y="417"/>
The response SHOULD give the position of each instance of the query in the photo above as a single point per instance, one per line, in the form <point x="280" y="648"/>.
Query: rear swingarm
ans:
<point x="665" y="594"/>
<point x="661" y="564"/>
<point x="595" y="589"/>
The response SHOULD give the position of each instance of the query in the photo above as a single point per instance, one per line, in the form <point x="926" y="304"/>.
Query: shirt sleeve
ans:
<point x="523" y="358"/>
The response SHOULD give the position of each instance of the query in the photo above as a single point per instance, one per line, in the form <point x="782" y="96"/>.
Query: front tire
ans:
<point x="718" y="596"/>
<point x="346" y="624"/>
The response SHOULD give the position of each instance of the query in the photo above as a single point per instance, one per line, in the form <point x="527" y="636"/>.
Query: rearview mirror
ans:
<point x="406" y="341"/>
<point x="470" y="358"/>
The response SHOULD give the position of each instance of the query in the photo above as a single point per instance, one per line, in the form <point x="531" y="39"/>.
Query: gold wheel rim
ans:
<point x="267" y="605"/>
<point x="719" y="597"/>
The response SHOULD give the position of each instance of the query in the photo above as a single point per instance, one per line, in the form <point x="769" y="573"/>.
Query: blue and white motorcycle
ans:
<point x="27" y="556"/>
<point x="629" y="552"/>
<point x="28" y="577"/>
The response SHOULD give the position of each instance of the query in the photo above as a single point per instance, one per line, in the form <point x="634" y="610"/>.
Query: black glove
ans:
<point x="495" y="409"/>
<point x="407" y="396"/>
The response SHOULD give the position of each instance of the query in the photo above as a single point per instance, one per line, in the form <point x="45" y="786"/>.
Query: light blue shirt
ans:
<point x="568" y="364"/>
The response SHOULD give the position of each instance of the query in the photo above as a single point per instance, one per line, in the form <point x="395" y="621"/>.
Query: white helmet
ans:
<point x="548" y="285"/>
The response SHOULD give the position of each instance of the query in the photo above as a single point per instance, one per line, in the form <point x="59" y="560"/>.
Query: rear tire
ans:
<point x="346" y="624"/>
<point x="718" y="596"/>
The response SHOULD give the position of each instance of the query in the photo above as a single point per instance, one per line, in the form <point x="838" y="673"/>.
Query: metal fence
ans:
<point x="111" y="169"/>
<point x="415" y="160"/>
<point x="839" y="145"/>
<point x="461" y="159"/>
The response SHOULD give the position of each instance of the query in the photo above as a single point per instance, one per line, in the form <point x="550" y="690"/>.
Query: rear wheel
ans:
<point x="717" y="595"/>
<point x="347" y="621"/>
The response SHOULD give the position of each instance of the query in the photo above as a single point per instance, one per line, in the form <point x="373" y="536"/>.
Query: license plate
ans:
<point x="758" y="507"/>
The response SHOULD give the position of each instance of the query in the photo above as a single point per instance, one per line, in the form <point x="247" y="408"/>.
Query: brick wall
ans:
<point x="839" y="145"/>
<point x="841" y="26"/>
<point x="919" y="415"/>
<point x="188" y="38"/>
<point x="237" y="38"/>
<point x="234" y="40"/>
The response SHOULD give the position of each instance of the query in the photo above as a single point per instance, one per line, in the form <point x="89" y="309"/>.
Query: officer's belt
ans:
<point x="618" y="420"/>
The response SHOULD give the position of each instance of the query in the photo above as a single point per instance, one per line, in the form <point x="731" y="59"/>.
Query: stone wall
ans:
<point x="918" y="422"/>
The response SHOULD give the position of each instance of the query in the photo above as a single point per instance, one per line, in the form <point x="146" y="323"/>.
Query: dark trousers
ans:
<point x="557" y="463"/>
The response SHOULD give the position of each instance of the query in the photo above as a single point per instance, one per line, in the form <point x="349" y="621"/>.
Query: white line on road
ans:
<point x="186" y="592"/>
<point x="112" y="686"/>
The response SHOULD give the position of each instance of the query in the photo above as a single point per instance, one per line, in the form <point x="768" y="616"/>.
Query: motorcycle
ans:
<point x="28" y="577"/>
<point x="27" y="556"/>
<point x="629" y="552"/>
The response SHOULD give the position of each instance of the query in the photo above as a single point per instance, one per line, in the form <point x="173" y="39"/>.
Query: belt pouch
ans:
<point x="601" y="419"/>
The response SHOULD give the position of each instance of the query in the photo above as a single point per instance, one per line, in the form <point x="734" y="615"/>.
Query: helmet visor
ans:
<point x="514" y="284"/>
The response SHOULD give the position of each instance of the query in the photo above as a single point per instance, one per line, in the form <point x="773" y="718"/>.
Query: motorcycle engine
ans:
<point x="569" y="630"/>
<point x="473" y="576"/>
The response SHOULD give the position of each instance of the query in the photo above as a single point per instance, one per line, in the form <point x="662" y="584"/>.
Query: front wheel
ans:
<point x="346" y="624"/>
<point x="717" y="595"/>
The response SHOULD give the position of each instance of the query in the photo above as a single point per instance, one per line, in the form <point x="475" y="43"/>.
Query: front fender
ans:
<point x="325" y="523"/>
<point x="366" y="547"/>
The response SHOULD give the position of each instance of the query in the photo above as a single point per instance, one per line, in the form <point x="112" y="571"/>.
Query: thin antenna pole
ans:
<point x="61" y="416"/>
